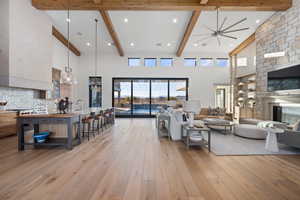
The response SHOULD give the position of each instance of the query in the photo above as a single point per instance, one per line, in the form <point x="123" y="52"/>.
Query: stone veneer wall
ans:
<point x="23" y="98"/>
<point x="280" y="33"/>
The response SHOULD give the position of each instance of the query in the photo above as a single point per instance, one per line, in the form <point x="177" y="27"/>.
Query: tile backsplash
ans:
<point x="23" y="98"/>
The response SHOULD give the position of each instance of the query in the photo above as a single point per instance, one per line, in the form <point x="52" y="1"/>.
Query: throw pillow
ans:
<point x="297" y="126"/>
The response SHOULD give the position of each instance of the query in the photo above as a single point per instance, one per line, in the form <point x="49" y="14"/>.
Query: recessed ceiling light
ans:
<point x="88" y="44"/>
<point x="175" y="20"/>
<point x="132" y="44"/>
<point x="195" y="44"/>
<point x="169" y="44"/>
<point x="125" y="20"/>
<point x="68" y="20"/>
<point x="257" y="21"/>
<point x="109" y="44"/>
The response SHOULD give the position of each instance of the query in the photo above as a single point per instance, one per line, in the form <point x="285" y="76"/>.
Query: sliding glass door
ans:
<point x="178" y="90"/>
<point x="143" y="97"/>
<point x="159" y="94"/>
<point x="122" y="97"/>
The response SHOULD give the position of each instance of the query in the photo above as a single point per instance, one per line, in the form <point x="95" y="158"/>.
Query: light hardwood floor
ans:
<point x="131" y="163"/>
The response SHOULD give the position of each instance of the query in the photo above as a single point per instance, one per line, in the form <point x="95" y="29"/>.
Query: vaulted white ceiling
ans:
<point x="151" y="31"/>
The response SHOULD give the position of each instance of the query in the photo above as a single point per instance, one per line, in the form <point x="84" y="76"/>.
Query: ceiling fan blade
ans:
<point x="234" y="24"/>
<point x="209" y="28"/>
<point x="205" y="38"/>
<point x="199" y="35"/>
<point x="217" y="18"/>
<point x="228" y="36"/>
<point x="236" y="30"/>
<point x="219" y="42"/>
<point x="223" y="23"/>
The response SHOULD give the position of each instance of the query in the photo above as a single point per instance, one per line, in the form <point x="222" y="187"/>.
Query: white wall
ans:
<point x="201" y="79"/>
<point x="4" y="41"/>
<point x="30" y="46"/>
<point x="249" y="53"/>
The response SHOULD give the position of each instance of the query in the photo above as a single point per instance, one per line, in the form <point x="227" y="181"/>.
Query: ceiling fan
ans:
<point x="222" y="31"/>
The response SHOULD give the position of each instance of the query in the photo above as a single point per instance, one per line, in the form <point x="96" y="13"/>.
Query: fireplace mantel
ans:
<point x="287" y="95"/>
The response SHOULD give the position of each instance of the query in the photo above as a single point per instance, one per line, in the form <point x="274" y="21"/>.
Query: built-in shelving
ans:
<point x="245" y="94"/>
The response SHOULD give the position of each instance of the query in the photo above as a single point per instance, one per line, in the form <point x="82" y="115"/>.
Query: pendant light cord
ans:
<point x="68" y="67"/>
<point x="96" y="46"/>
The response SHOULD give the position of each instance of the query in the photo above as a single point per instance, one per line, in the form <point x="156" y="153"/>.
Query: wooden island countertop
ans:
<point x="53" y="115"/>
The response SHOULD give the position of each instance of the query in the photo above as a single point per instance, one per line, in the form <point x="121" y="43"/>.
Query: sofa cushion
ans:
<point x="204" y="111"/>
<point x="250" y="121"/>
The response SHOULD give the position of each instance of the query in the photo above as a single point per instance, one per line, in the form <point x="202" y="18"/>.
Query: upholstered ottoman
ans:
<point x="250" y="131"/>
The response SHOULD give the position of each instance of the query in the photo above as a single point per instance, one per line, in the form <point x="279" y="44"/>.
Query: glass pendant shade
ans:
<point x="67" y="75"/>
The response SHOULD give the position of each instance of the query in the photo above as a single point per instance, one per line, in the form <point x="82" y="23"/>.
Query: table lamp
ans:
<point x="192" y="107"/>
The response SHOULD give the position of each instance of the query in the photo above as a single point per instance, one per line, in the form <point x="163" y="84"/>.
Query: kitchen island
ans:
<point x="69" y="135"/>
<point x="8" y="123"/>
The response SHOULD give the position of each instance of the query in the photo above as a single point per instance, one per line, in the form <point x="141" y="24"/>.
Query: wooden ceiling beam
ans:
<point x="64" y="41"/>
<point x="203" y="2"/>
<point x="112" y="32"/>
<point x="97" y="1"/>
<point x="255" y="5"/>
<point x="243" y="45"/>
<point x="188" y="32"/>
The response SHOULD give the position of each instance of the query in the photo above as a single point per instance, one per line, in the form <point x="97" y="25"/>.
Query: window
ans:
<point x="150" y="62"/>
<point x="242" y="62"/>
<point x="206" y="62"/>
<point x="190" y="62"/>
<point x="222" y="62"/>
<point x="134" y="62"/>
<point x="166" y="62"/>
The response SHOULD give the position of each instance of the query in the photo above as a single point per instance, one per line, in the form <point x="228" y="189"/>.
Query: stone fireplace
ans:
<point x="280" y="33"/>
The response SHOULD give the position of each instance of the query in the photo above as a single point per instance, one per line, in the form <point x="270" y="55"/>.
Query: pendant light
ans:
<point x="96" y="46"/>
<point x="67" y="76"/>
<point x="94" y="83"/>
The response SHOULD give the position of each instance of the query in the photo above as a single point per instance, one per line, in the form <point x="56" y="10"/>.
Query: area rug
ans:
<point x="222" y="145"/>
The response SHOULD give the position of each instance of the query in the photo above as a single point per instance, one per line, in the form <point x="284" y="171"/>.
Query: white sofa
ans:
<point x="176" y="123"/>
<point x="248" y="129"/>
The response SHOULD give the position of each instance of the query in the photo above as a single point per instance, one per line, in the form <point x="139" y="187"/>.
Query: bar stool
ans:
<point x="98" y="121"/>
<point x="106" y="118"/>
<point x="87" y="123"/>
<point x="112" y="115"/>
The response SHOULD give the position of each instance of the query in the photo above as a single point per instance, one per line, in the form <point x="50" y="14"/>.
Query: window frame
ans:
<point x="216" y="62"/>
<point x="237" y="61"/>
<point x="172" y="62"/>
<point x="196" y="63"/>
<point x="150" y="59"/>
<point x="128" y="62"/>
<point x="212" y="63"/>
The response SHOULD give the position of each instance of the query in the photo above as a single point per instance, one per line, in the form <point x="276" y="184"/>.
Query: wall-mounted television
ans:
<point x="284" y="79"/>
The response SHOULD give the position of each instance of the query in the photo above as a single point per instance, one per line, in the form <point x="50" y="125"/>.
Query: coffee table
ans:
<point x="271" y="141"/>
<point x="214" y="122"/>
<point x="192" y="139"/>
